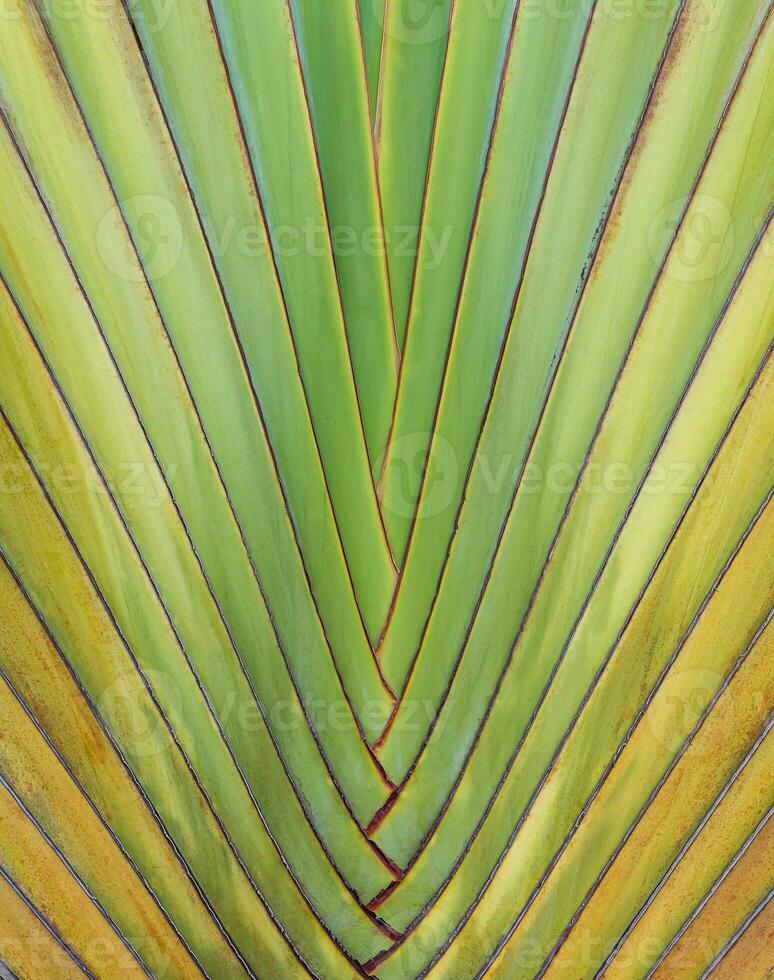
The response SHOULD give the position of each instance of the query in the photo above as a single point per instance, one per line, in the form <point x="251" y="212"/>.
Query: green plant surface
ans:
<point x="509" y="422"/>
<point x="40" y="676"/>
<point x="498" y="612"/>
<point x="414" y="56"/>
<point x="386" y="457"/>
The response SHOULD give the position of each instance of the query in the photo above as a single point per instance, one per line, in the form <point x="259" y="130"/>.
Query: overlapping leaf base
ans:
<point x="386" y="454"/>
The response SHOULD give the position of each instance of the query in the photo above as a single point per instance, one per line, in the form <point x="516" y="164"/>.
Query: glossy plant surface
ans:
<point x="386" y="462"/>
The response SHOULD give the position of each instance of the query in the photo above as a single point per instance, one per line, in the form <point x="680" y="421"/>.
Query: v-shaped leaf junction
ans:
<point x="386" y="454"/>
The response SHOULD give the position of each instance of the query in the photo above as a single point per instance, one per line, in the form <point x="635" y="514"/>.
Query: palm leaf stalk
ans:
<point x="387" y="457"/>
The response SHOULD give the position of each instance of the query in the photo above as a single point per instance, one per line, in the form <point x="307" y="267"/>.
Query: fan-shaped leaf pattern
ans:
<point x="386" y="454"/>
